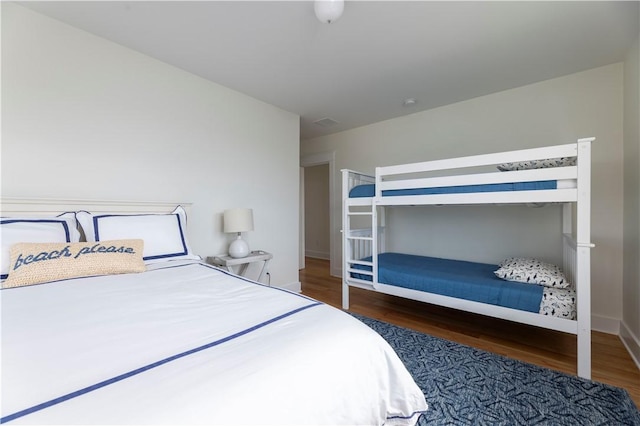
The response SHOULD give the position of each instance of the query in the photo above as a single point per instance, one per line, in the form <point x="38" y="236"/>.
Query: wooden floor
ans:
<point x="611" y="363"/>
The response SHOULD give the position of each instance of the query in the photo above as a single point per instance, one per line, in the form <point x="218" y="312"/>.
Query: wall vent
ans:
<point x="326" y="122"/>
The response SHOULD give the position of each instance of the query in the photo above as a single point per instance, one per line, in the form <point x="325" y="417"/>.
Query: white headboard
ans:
<point x="39" y="206"/>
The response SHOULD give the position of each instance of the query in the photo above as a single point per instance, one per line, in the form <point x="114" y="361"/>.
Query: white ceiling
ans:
<point x="359" y="69"/>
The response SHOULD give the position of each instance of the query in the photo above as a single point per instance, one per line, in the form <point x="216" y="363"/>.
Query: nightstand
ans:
<point x="228" y="263"/>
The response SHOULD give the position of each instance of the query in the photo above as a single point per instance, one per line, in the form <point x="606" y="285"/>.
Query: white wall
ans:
<point x="630" y="330"/>
<point x="85" y="118"/>
<point x="316" y="211"/>
<point x="547" y="113"/>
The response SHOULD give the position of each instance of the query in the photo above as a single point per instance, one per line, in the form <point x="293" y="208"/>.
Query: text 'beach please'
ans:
<point x="66" y="251"/>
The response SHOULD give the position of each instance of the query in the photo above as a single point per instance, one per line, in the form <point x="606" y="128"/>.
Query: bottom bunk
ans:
<point x="473" y="281"/>
<point x="474" y="287"/>
<point x="483" y="289"/>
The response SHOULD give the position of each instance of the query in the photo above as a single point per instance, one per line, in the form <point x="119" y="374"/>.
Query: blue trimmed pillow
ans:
<point x="36" y="263"/>
<point x="164" y="235"/>
<point x="60" y="229"/>
<point x="537" y="164"/>
<point x="532" y="271"/>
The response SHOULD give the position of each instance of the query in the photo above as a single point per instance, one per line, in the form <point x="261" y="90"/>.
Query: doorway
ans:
<point x="316" y="212"/>
<point x="317" y="176"/>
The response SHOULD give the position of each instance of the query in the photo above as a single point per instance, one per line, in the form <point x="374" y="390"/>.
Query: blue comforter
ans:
<point x="369" y="190"/>
<point x="454" y="278"/>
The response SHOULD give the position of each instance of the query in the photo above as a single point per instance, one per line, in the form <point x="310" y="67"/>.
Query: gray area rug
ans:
<point x="467" y="386"/>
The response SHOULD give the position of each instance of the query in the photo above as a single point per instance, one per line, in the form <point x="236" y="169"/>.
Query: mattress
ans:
<point x="369" y="190"/>
<point x="187" y="343"/>
<point x="455" y="278"/>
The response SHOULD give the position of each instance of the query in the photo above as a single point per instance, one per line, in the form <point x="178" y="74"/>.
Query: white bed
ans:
<point x="474" y="180"/>
<point x="187" y="343"/>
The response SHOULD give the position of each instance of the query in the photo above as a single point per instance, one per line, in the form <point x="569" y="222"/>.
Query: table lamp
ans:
<point x="238" y="220"/>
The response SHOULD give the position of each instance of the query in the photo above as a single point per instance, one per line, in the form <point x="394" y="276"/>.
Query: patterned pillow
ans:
<point x="532" y="271"/>
<point x="35" y="263"/>
<point x="537" y="164"/>
<point x="559" y="302"/>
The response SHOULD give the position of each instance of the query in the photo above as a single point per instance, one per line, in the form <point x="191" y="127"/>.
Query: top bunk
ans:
<point x="553" y="174"/>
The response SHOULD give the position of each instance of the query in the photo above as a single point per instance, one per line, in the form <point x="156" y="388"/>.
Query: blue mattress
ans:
<point x="369" y="190"/>
<point x="455" y="278"/>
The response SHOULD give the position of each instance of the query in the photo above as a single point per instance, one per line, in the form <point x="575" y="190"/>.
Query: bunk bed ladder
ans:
<point x="358" y="244"/>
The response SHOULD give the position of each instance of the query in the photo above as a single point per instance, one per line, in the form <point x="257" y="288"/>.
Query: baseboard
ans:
<point x="605" y="324"/>
<point x="631" y="342"/>
<point x="317" y="254"/>
<point x="336" y="272"/>
<point x="294" y="286"/>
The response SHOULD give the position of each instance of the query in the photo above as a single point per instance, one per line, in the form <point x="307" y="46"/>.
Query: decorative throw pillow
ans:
<point x="537" y="164"/>
<point x="35" y="263"/>
<point x="532" y="271"/>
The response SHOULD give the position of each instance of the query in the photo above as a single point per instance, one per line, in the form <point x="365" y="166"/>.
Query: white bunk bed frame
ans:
<point x="359" y="243"/>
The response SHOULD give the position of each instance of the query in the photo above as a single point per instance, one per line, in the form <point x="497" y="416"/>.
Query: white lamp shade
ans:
<point x="328" y="11"/>
<point x="238" y="220"/>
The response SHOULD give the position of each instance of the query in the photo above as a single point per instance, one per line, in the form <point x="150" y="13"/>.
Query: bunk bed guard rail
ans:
<point x="408" y="176"/>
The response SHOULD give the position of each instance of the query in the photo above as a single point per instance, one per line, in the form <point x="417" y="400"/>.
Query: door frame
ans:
<point x="317" y="160"/>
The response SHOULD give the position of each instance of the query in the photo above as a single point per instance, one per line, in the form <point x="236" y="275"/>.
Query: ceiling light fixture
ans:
<point x="328" y="11"/>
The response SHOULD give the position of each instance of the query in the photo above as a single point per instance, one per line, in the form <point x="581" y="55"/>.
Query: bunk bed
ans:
<point x="554" y="174"/>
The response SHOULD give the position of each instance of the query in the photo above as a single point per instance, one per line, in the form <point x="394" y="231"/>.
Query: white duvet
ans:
<point x="185" y="343"/>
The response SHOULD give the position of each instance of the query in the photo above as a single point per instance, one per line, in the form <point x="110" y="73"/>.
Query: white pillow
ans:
<point x="164" y="235"/>
<point x="532" y="271"/>
<point x="13" y="230"/>
<point x="538" y="164"/>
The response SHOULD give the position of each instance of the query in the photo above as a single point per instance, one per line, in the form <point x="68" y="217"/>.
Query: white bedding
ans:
<point x="190" y="344"/>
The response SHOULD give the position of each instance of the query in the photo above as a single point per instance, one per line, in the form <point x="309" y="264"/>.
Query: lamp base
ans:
<point x="239" y="248"/>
